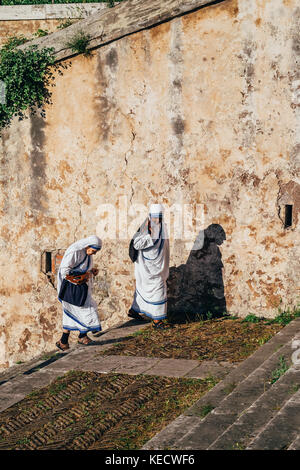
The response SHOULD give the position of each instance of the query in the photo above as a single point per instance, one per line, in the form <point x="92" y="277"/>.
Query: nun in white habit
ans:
<point x="79" y="257"/>
<point x="151" y="269"/>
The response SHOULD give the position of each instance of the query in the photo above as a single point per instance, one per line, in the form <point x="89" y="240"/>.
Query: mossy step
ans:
<point x="236" y="376"/>
<point x="282" y="430"/>
<point x="201" y="432"/>
<point x="250" y="423"/>
<point x="236" y="402"/>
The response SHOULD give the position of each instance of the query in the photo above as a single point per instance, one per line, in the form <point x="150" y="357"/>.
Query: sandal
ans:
<point x="61" y="346"/>
<point x="160" y="325"/>
<point x="85" y="341"/>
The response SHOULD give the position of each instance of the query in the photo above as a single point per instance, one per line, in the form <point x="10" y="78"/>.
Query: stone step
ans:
<point x="106" y="340"/>
<point x="296" y="444"/>
<point x="22" y="379"/>
<point x="238" y="400"/>
<point x="263" y="410"/>
<point x="88" y="359"/>
<point x="282" y="430"/>
<point x="220" y="391"/>
<point x="240" y="388"/>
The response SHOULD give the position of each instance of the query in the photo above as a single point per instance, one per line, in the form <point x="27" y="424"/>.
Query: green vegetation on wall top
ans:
<point x="27" y="75"/>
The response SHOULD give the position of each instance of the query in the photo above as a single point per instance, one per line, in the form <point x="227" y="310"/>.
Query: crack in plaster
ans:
<point x="80" y="201"/>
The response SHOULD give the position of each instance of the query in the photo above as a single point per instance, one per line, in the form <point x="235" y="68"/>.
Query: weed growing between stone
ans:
<point x="281" y="370"/>
<point x="79" y="42"/>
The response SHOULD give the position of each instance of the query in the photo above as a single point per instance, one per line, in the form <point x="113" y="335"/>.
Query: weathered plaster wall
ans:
<point x="202" y="109"/>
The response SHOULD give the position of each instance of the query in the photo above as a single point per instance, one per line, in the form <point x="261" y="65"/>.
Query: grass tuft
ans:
<point x="281" y="370"/>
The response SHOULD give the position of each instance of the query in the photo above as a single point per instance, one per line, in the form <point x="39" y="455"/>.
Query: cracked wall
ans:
<point x="202" y="109"/>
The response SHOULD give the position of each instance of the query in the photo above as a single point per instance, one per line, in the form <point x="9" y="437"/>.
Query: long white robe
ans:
<point x="151" y="273"/>
<point x="83" y="318"/>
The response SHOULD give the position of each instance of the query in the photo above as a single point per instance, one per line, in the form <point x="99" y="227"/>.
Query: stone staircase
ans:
<point x="245" y="410"/>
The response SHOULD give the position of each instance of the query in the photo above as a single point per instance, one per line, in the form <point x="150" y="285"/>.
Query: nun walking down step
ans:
<point x="149" y="250"/>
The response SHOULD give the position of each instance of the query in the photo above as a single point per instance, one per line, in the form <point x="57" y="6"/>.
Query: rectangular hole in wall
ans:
<point x="288" y="216"/>
<point x="48" y="262"/>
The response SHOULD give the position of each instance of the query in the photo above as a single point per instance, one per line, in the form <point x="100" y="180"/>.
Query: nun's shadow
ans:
<point x="196" y="289"/>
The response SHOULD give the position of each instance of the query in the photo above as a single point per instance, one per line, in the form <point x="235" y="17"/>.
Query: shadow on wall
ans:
<point x="196" y="289"/>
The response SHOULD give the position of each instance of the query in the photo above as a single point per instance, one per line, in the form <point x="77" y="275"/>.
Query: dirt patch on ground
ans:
<point x="87" y="410"/>
<point x="219" y="339"/>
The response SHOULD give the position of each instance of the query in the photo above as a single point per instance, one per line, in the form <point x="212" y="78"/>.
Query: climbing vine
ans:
<point x="27" y="76"/>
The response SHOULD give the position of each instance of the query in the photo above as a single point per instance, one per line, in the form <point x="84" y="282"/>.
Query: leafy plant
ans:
<point x="238" y="446"/>
<point x="230" y="387"/>
<point x="209" y="315"/>
<point x="282" y="368"/>
<point x="27" y="75"/>
<point x="205" y="409"/>
<point x="112" y="3"/>
<point x="294" y="388"/>
<point x="41" y="32"/>
<point x="264" y="339"/>
<point x="283" y="318"/>
<point x="65" y="23"/>
<point x="79" y="43"/>
<point x="251" y="318"/>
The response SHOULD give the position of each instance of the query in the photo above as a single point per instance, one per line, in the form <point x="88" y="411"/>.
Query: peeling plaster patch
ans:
<point x="295" y="91"/>
<point x="105" y="102"/>
<point x="147" y="47"/>
<point x="4" y="165"/>
<point x="112" y="59"/>
<point x="295" y="158"/>
<point x="13" y="171"/>
<point x="248" y="55"/>
<point x="24" y="339"/>
<point x="82" y="198"/>
<point x="175" y="102"/>
<point x="38" y="198"/>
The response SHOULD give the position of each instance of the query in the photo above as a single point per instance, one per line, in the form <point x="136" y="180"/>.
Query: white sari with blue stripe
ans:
<point x="83" y="318"/>
<point x="151" y="273"/>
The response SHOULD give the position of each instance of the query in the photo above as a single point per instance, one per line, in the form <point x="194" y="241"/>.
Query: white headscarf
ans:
<point x="92" y="241"/>
<point x="156" y="210"/>
<point x="75" y="254"/>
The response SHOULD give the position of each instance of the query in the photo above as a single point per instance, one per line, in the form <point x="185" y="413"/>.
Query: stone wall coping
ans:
<point x="49" y="11"/>
<point x="115" y="23"/>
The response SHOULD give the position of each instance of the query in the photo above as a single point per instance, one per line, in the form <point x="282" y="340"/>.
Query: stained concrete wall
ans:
<point x="201" y="109"/>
